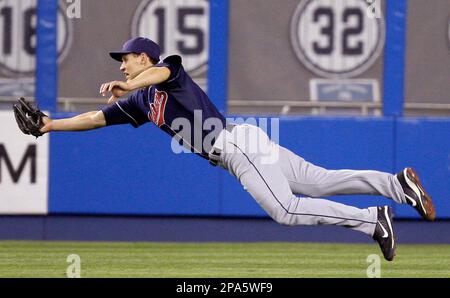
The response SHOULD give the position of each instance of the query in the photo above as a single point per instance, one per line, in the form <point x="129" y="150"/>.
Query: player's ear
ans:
<point x="144" y="59"/>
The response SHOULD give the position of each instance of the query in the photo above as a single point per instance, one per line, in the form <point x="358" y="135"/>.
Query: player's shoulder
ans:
<point x="174" y="64"/>
<point x="173" y="59"/>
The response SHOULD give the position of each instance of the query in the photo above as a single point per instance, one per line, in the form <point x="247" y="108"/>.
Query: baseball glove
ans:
<point x="28" y="117"/>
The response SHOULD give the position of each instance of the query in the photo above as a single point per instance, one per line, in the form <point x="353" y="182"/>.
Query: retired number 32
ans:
<point x="336" y="38"/>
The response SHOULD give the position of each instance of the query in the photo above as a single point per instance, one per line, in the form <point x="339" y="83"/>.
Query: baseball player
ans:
<point x="285" y="185"/>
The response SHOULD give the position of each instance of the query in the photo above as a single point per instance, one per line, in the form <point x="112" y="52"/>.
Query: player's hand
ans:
<point x="116" y="88"/>
<point x="47" y="124"/>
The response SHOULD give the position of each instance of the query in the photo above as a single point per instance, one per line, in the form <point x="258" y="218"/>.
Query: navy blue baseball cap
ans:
<point x="138" y="45"/>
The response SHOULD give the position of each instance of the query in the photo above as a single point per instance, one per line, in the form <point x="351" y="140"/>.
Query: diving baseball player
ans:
<point x="285" y="185"/>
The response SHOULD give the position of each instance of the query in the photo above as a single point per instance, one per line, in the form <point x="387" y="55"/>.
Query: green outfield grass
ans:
<point x="247" y="260"/>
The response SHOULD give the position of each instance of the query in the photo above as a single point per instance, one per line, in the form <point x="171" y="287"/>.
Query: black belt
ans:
<point x="214" y="156"/>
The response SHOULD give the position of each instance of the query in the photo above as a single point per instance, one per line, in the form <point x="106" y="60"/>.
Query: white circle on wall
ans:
<point x="337" y="38"/>
<point x="18" y="36"/>
<point x="180" y="27"/>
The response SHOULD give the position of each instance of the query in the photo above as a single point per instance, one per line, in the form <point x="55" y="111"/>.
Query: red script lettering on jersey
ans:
<point x="157" y="108"/>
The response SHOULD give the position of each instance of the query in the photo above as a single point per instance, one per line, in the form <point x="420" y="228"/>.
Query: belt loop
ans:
<point x="214" y="157"/>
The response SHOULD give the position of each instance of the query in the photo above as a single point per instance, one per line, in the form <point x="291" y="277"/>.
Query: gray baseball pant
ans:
<point x="273" y="176"/>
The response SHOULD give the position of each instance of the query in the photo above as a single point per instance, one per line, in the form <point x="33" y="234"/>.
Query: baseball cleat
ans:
<point x="384" y="232"/>
<point x="415" y="194"/>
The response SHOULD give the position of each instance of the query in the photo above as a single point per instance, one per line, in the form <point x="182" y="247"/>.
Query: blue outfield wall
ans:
<point x="128" y="171"/>
<point x="425" y="145"/>
<point x="125" y="171"/>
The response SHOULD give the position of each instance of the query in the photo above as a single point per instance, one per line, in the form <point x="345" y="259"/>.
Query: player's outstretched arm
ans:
<point x="86" y="121"/>
<point x="150" y="76"/>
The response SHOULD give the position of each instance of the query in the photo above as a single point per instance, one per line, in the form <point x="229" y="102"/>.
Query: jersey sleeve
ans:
<point x="126" y="111"/>
<point x="173" y="63"/>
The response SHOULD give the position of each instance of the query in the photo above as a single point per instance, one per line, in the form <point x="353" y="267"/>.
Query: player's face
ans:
<point x="132" y="65"/>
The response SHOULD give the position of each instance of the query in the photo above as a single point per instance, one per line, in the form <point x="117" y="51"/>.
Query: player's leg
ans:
<point x="268" y="186"/>
<point x="266" y="183"/>
<point x="308" y="179"/>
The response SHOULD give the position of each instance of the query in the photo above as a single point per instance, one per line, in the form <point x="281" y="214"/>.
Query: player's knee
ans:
<point x="283" y="217"/>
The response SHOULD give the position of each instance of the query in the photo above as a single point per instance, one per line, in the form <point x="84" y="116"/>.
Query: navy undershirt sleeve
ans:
<point x="126" y="111"/>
